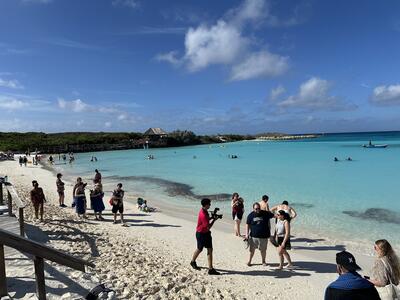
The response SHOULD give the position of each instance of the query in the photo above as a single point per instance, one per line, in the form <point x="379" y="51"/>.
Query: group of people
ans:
<point x="79" y="198"/>
<point x="337" y="159"/>
<point x="258" y="227"/>
<point x="381" y="284"/>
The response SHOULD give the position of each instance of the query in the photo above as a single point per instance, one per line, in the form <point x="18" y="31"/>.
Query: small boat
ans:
<point x="375" y="146"/>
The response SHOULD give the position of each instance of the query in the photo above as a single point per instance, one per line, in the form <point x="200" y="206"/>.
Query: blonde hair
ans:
<point x="388" y="252"/>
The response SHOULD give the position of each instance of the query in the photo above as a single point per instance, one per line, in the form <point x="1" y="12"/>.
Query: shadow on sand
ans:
<point x="29" y="284"/>
<point x="301" y="268"/>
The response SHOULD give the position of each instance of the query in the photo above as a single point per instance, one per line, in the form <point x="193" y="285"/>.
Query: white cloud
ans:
<point x="224" y="43"/>
<point x="314" y="95"/>
<point x="249" y="10"/>
<point x="12" y="103"/>
<point x="75" y="105"/>
<point x="12" y="84"/>
<point x="170" y="57"/>
<point x="126" y="3"/>
<point x="107" y="124"/>
<point x="218" y="44"/>
<point x="276" y="92"/>
<point x="386" y="95"/>
<point x="260" y="64"/>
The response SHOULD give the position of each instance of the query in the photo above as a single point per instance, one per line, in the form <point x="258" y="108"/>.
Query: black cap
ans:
<point x="347" y="260"/>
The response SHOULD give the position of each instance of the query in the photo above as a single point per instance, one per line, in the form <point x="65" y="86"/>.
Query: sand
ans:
<point x="150" y="258"/>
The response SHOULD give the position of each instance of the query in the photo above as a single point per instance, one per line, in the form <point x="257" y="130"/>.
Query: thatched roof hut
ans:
<point x="155" y="132"/>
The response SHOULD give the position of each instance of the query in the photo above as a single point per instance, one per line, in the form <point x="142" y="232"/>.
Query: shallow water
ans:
<point x="349" y="200"/>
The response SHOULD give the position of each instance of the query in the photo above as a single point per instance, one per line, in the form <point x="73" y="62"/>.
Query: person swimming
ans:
<point x="335" y="159"/>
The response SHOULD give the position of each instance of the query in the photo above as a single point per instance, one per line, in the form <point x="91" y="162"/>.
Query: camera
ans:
<point x="214" y="214"/>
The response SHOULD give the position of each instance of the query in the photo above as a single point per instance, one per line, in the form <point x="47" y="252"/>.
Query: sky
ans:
<point x="213" y="67"/>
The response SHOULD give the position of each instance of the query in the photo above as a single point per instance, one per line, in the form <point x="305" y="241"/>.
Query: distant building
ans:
<point x="155" y="133"/>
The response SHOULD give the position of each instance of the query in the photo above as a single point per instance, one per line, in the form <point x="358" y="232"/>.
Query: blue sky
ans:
<point x="222" y="66"/>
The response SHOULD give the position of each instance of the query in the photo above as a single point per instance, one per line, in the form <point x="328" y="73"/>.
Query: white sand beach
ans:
<point x="150" y="259"/>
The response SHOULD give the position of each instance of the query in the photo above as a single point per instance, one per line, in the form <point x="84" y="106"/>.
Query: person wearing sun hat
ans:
<point x="350" y="284"/>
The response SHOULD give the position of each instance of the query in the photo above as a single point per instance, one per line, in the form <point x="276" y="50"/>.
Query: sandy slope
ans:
<point x="149" y="259"/>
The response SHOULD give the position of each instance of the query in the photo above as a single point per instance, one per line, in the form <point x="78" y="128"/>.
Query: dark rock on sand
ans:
<point x="377" y="214"/>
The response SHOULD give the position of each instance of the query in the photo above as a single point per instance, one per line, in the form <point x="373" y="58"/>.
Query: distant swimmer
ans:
<point x="335" y="159"/>
<point x="349" y="158"/>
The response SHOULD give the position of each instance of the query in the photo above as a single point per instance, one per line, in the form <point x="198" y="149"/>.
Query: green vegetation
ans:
<point x="99" y="141"/>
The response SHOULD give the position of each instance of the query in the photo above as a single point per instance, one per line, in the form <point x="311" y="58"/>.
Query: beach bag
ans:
<point x="390" y="291"/>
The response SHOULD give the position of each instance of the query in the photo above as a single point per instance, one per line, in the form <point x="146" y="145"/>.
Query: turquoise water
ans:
<point x="301" y="172"/>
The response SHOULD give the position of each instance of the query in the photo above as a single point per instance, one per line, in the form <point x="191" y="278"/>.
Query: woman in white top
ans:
<point x="386" y="269"/>
<point x="282" y="229"/>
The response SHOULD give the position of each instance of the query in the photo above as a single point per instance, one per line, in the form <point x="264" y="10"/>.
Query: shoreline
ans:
<point x="314" y="259"/>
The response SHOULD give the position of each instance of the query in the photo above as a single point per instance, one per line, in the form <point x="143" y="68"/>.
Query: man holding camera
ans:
<point x="203" y="236"/>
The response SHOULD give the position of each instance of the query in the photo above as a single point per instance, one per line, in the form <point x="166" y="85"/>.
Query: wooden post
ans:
<point x="1" y="193"/>
<point x="39" y="273"/>
<point x="3" y="279"/>
<point x="9" y="203"/>
<point x="21" y="221"/>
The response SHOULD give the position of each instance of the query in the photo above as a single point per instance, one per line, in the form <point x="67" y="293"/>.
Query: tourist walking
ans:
<point x="117" y="201"/>
<point x="282" y="229"/>
<point x="80" y="197"/>
<point x="21" y="161"/>
<point x="25" y="160"/>
<point x="96" y="198"/>
<point x="60" y="190"/>
<point x="258" y="232"/>
<point x="203" y="236"/>
<point x="38" y="199"/>
<point x="264" y="203"/>
<point x="237" y="212"/>
<point x="386" y="269"/>
<point x="286" y="208"/>
<point x="350" y="284"/>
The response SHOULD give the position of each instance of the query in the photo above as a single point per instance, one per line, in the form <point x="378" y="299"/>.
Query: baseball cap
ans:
<point x="347" y="260"/>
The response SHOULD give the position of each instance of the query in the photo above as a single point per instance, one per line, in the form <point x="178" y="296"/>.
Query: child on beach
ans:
<point x="38" y="199"/>
<point x="118" y="204"/>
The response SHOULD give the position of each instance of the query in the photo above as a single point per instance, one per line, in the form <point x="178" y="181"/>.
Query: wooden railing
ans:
<point x="37" y="250"/>
<point x="12" y="197"/>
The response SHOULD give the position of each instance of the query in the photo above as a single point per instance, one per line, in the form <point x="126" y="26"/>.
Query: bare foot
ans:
<point x="289" y="266"/>
<point x="249" y="264"/>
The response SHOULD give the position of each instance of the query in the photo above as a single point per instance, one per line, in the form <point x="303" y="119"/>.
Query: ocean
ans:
<point x="354" y="201"/>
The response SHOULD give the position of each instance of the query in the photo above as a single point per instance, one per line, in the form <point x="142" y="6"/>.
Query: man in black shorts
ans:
<point x="203" y="237"/>
<point x="118" y="204"/>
